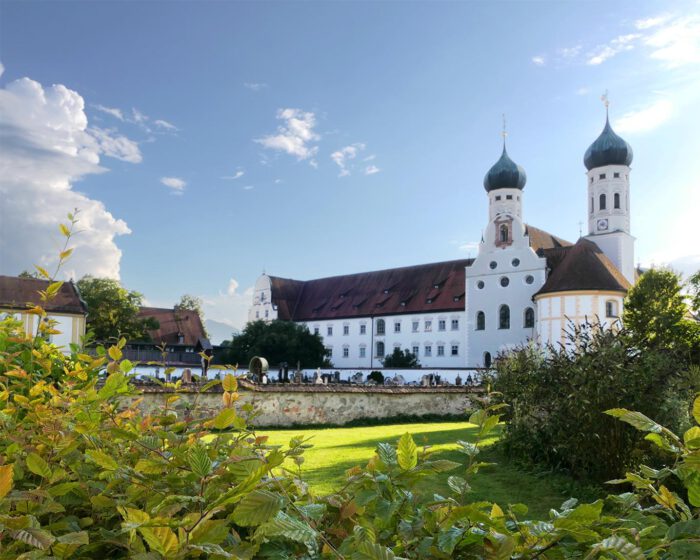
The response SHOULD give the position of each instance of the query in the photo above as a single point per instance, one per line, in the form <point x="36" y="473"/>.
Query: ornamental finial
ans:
<point x="504" y="132"/>
<point x="606" y="101"/>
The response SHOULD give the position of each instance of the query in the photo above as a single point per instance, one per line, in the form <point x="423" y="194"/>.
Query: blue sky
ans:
<point x="207" y="141"/>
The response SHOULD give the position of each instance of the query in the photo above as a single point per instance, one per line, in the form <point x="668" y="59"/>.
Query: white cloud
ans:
<point x="119" y="147"/>
<point x="237" y="175"/>
<point x="469" y="246"/>
<point x="583" y="91"/>
<point x="278" y="181"/>
<point x="2" y="69"/>
<point x="371" y="170"/>
<point x="619" y="44"/>
<point x="137" y="116"/>
<point x="175" y="183"/>
<point x="254" y="86"/>
<point x="116" y="113"/>
<point x="296" y="136"/>
<point x="677" y="43"/>
<point x="569" y="53"/>
<point x="645" y="119"/>
<point x="341" y="157"/>
<point x="650" y="22"/>
<point x="47" y="145"/>
<point x="165" y="125"/>
<point x="229" y="306"/>
<point x="538" y="60"/>
<point x="248" y="188"/>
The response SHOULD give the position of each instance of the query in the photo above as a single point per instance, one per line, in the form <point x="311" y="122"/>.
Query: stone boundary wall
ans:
<point x="286" y="405"/>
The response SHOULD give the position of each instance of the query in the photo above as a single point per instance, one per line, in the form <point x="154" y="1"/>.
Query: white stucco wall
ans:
<point x="557" y="311"/>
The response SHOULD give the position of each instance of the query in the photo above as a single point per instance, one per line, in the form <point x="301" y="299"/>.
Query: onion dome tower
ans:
<point x="504" y="183"/>
<point x="607" y="161"/>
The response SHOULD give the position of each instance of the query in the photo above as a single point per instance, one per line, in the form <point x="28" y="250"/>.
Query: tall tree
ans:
<point x="401" y="359"/>
<point x="113" y="310"/>
<point x="656" y="313"/>
<point x="192" y="303"/>
<point x="277" y="341"/>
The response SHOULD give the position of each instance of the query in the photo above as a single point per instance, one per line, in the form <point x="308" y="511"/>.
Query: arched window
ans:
<point x="381" y="327"/>
<point x="529" y="321"/>
<point x="591" y="205"/>
<point x="380" y="349"/>
<point x="487" y="359"/>
<point x="611" y="308"/>
<point x="602" y="202"/>
<point x="480" y="321"/>
<point x="616" y="200"/>
<point x="504" y="317"/>
<point x="504" y="233"/>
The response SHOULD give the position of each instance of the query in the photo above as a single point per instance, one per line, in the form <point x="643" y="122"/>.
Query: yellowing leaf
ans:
<point x="114" y="353"/>
<point x="407" y="453"/>
<point x="43" y="272"/>
<point x="6" y="474"/>
<point x="65" y="254"/>
<point x="161" y="539"/>
<point x="696" y="410"/>
<point x="64" y="230"/>
<point x="230" y="383"/>
<point x="224" y="419"/>
<point x="37" y="465"/>
<point x="102" y="459"/>
<point x="496" y="511"/>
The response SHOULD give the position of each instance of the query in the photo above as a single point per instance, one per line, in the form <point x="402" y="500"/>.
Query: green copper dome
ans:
<point x="505" y="174"/>
<point x="608" y="149"/>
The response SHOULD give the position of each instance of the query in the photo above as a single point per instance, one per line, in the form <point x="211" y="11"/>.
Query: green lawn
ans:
<point x="337" y="449"/>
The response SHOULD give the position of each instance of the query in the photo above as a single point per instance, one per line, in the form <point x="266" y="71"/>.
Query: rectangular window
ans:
<point x="363" y="351"/>
<point x="257" y="314"/>
<point x="346" y="329"/>
<point x="428" y="351"/>
<point x="440" y="350"/>
<point x="455" y="324"/>
<point x="316" y="331"/>
<point x="498" y="197"/>
<point x="397" y="327"/>
<point x="346" y="352"/>
<point x="363" y="329"/>
<point x="267" y="313"/>
<point x="442" y="325"/>
<point x="428" y="326"/>
<point x="509" y="197"/>
<point x="329" y="330"/>
<point x="415" y="326"/>
<point x="616" y="175"/>
<point x="415" y="350"/>
<point x="601" y="176"/>
<point x="329" y="350"/>
<point x="455" y="350"/>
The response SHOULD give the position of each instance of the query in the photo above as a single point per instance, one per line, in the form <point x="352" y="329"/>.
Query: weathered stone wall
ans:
<point x="326" y="404"/>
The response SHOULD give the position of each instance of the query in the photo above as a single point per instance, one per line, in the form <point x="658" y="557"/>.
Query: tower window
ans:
<point x="498" y="197"/>
<point x="504" y="233"/>
<point x="591" y="179"/>
<point x="616" y="200"/>
<point x="381" y="326"/>
<point x="616" y="175"/>
<point x="480" y="321"/>
<point x="504" y="317"/>
<point x="493" y="265"/>
<point x="601" y="203"/>
<point x="487" y="359"/>
<point x="529" y="321"/>
<point x="601" y="176"/>
<point x="509" y="197"/>
<point x="591" y="205"/>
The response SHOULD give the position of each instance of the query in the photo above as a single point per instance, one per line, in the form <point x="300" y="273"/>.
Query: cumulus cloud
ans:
<point x="175" y="183"/>
<point x="116" y="113"/>
<point x="47" y="145"/>
<point x="296" y="136"/>
<point x="229" y="306"/>
<point x="254" y="86"/>
<point x="606" y="51"/>
<point x="344" y="155"/>
<point x="645" y="119"/>
<point x="371" y="170"/>
<point x="538" y="60"/>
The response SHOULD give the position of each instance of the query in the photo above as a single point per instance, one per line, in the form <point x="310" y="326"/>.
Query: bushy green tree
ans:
<point x="656" y="314"/>
<point x="113" y="310"/>
<point x="277" y="342"/>
<point x="401" y="359"/>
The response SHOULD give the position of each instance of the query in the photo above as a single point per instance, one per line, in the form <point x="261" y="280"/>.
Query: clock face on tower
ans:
<point x="602" y="224"/>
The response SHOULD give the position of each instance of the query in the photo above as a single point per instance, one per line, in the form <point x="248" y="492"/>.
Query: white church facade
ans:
<point x="524" y="285"/>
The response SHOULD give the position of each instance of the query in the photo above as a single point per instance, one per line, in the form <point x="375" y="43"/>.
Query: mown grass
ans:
<point x="335" y="450"/>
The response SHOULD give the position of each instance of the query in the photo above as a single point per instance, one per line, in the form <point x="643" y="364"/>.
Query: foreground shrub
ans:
<point x="558" y="396"/>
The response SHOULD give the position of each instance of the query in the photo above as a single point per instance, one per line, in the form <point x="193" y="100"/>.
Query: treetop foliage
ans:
<point x="278" y="342"/>
<point x="401" y="359"/>
<point x="113" y="310"/>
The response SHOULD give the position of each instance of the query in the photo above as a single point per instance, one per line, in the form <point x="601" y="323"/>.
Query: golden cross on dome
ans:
<point x="605" y="100"/>
<point x="504" y="132"/>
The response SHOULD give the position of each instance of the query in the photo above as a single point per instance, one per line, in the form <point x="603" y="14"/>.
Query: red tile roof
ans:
<point x="581" y="267"/>
<point x="173" y="323"/>
<point x="426" y="288"/>
<point x="17" y="293"/>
